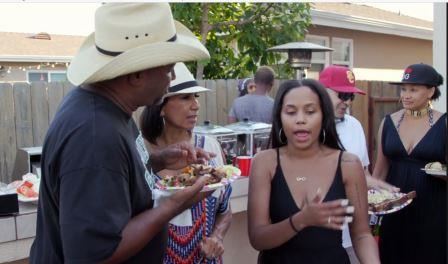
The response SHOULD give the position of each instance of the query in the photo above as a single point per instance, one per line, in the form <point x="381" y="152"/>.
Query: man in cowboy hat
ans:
<point x="95" y="201"/>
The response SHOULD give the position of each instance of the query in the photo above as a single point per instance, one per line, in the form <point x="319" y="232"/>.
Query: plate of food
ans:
<point x="219" y="176"/>
<point x="383" y="202"/>
<point x="435" y="168"/>
<point x="28" y="188"/>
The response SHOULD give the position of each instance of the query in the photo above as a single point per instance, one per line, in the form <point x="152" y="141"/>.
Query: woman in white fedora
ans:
<point x="95" y="200"/>
<point x="196" y="236"/>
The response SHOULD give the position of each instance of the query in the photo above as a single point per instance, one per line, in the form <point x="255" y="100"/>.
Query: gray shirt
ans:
<point x="257" y="108"/>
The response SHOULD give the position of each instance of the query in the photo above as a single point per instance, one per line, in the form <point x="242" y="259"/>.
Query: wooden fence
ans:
<point x="26" y="111"/>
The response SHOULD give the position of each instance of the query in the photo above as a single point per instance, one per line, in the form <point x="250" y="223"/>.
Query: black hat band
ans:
<point x="116" y="53"/>
<point x="181" y="86"/>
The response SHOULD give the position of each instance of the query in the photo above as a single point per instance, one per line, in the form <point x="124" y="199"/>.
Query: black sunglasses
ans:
<point x="346" y="96"/>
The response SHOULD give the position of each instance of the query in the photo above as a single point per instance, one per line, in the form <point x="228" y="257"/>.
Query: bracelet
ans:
<point x="292" y="225"/>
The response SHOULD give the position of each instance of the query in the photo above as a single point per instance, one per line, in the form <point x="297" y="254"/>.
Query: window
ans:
<point x="47" y="76"/>
<point x="319" y="60"/>
<point x="343" y="52"/>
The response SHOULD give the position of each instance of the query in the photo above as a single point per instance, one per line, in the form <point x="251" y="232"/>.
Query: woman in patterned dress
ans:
<point x="195" y="236"/>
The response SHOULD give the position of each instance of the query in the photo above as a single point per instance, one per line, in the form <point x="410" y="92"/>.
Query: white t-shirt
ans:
<point x="352" y="137"/>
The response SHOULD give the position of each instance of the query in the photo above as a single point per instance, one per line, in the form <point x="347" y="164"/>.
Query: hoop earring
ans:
<point x="280" y="136"/>
<point x="163" y="121"/>
<point x="323" y="133"/>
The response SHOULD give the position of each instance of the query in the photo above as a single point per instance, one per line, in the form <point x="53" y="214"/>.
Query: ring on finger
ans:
<point x="329" y="220"/>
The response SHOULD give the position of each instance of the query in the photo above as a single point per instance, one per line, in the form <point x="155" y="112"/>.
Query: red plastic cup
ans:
<point x="243" y="163"/>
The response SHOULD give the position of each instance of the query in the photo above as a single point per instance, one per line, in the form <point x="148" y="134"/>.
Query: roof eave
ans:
<point x="34" y="58"/>
<point x="323" y="18"/>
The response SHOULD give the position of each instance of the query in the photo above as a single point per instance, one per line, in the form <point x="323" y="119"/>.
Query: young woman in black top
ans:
<point x="305" y="188"/>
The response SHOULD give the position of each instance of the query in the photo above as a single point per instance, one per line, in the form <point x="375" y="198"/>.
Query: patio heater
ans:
<point x="299" y="55"/>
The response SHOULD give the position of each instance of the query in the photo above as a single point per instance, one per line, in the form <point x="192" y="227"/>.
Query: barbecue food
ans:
<point x="437" y="166"/>
<point x="380" y="201"/>
<point x="26" y="189"/>
<point x="190" y="174"/>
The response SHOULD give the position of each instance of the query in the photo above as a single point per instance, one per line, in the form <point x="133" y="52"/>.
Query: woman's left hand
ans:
<point x="212" y="247"/>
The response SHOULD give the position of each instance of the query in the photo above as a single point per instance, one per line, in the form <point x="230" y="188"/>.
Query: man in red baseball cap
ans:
<point x="340" y="84"/>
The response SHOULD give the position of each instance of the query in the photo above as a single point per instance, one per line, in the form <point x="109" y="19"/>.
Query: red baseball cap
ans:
<point x="340" y="79"/>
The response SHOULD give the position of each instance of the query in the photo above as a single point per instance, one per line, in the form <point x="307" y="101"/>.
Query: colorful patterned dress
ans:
<point x="183" y="245"/>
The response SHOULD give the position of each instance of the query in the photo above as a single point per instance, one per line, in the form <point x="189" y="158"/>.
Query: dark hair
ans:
<point x="243" y="86"/>
<point x="151" y="123"/>
<point x="264" y="75"/>
<point x="328" y="123"/>
<point x="437" y="93"/>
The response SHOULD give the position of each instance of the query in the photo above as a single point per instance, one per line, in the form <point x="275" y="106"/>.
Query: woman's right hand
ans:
<point x="332" y="214"/>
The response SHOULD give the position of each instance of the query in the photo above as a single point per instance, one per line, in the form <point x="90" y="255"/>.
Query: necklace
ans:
<point x="300" y="179"/>
<point x="304" y="178"/>
<point x="419" y="113"/>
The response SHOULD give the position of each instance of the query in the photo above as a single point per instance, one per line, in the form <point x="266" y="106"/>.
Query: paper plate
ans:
<point x="434" y="172"/>
<point x="25" y="199"/>
<point x="206" y="188"/>
<point x="232" y="174"/>
<point x="393" y="209"/>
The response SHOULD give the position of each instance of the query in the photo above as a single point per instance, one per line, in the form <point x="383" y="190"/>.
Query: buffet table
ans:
<point x="17" y="233"/>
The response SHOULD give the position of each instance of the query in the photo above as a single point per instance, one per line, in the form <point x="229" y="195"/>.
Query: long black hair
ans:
<point x="151" y="123"/>
<point x="328" y="123"/>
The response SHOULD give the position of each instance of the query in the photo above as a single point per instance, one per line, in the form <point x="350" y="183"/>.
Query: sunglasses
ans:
<point x="346" y="96"/>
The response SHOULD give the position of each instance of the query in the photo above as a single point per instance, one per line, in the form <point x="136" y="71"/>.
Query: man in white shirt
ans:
<point x="340" y="84"/>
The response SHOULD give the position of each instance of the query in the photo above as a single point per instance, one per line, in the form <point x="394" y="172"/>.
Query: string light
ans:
<point x="43" y="66"/>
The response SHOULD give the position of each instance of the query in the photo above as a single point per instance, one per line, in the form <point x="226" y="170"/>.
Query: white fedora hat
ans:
<point x="184" y="82"/>
<point x="130" y="37"/>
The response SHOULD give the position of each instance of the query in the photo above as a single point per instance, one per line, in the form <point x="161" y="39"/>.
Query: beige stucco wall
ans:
<point x="380" y="56"/>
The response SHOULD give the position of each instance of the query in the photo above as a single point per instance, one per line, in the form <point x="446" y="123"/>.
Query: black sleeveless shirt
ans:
<point x="312" y="244"/>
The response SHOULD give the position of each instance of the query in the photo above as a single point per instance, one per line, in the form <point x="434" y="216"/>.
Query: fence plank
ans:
<point x="55" y="94"/>
<point x="389" y="90"/>
<point x="212" y="113"/>
<point x="68" y="87"/>
<point x="39" y="108"/>
<point x="360" y="107"/>
<point x="274" y="89"/>
<point x="22" y="111"/>
<point x="202" y="115"/>
<point x="232" y="93"/>
<point x="221" y="101"/>
<point x="8" y="143"/>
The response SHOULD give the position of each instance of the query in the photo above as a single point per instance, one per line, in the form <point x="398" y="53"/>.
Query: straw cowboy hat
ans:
<point x="184" y="82"/>
<point x="130" y="37"/>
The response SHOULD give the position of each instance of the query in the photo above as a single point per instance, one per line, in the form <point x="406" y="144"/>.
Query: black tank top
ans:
<point x="312" y="244"/>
